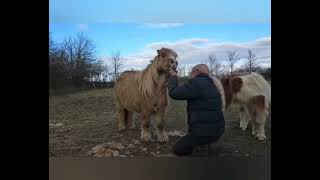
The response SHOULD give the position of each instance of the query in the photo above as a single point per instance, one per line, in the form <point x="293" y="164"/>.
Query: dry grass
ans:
<point x="88" y="119"/>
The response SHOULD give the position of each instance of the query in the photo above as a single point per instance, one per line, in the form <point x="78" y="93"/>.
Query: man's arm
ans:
<point x="184" y="92"/>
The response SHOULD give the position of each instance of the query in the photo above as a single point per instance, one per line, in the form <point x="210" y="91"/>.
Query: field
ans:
<point x="80" y="121"/>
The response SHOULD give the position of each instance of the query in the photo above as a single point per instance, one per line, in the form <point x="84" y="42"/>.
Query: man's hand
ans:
<point x="173" y="72"/>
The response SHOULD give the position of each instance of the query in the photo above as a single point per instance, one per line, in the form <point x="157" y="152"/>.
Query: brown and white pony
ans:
<point x="253" y="94"/>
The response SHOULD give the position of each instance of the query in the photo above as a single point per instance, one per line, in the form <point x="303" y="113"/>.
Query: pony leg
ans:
<point x="161" y="133"/>
<point x="259" y="113"/>
<point x="247" y="117"/>
<point x="260" y="121"/>
<point x="253" y="128"/>
<point x="130" y="121"/>
<point x="121" y="119"/>
<point x="145" y="130"/>
<point x="241" y="114"/>
<point x="244" y="118"/>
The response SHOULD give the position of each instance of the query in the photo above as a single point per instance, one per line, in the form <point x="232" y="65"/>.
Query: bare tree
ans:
<point x="182" y="71"/>
<point x="97" y="70"/>
<point x="51" y="46"/>
<point x="232" y="59"/>
<point x="189" y="71"/>
<point x="214" y="65"/>
<point x="211" y="60"/>
<point x="251" y="62"/>
<point x="117" y="64"/>
<point x="73" y="63"/>
<point x="105" y="72"/>
<point x="69" y="53"/>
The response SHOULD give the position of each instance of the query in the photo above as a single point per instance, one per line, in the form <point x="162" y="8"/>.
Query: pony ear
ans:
<point x="175" y="54"/>
<point x="161" y="53"/>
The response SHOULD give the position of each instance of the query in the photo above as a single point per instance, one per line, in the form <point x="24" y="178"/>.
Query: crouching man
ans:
<point x="204" y="107"/>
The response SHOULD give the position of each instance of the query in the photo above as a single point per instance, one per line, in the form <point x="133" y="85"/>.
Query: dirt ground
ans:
<point x="81" y="121"/>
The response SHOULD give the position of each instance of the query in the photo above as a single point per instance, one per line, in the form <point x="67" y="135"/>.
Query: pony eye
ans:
<point x="172" y="61"/>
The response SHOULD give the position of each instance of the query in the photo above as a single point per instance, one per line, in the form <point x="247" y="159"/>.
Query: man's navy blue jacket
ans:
<point x="205" y="117"/>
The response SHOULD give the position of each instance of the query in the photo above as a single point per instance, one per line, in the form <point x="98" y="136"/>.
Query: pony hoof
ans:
<point x="163" y="138"/>
<point x="145" y="138"/>
<point x="132" y="127"/>
<point x="261" y="137"/>
<point x="121" y="128"/>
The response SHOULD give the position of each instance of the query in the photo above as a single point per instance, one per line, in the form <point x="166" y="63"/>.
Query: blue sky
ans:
<point x="199" y="11"/>
<point x="129" y="37"/>
<point x="137" y="28"/>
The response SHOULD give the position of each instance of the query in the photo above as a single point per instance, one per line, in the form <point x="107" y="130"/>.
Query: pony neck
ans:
<point x="149" y="79"/>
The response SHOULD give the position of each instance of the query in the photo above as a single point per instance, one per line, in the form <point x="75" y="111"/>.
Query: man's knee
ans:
<point x="184" y="146"/>
<point x="182" y="150"/>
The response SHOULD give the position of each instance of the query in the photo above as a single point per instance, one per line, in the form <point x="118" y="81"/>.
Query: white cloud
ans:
<point x="180" y="43"/>
<point x="161" y="25"/>
<point x="196" y="50"/>
<point x="83" y="27"/>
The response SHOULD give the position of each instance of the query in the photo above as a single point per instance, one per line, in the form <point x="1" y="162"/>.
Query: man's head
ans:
<point x="199" y="69"/>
